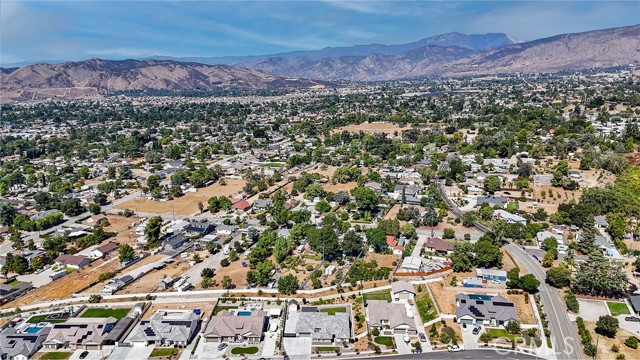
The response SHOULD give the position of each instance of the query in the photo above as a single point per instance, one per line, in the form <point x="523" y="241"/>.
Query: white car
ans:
<point x="455" y="348"/>
<point x="406" y="339"/>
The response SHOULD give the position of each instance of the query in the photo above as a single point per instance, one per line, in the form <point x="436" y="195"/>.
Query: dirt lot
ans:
<point x="205" y="306"/>
<point x="605" y="343"/>
<point x="444" y="296"/>
<point x="235" y="271"/>
<point x="329" y="187"/>
<point x="66" y="286"/>
<point x="97" y="287"/>
<point x="149" y="282"/>
<point x="383" y="260"/>
<point x="371" y="128"/>
<point x="187" y="204"/>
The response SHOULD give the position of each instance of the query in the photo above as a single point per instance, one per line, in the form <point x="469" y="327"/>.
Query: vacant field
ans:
<point x="372" y="128"/>
<point x="64" y="287"/>
<point x="206" y="307"/>
<point x="382" y="260"/>
<point x="329" y="187"/>
<point x="235" y="271"/>
<point x="187" y="204"/>
<point x="117" y="313"/>
<point x="149" y="282"/>
<point x="605" y="343"/>
<point x="97" y="287"/>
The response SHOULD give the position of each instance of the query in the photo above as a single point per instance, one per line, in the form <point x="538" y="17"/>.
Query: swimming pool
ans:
<point x="32" y="329"/>
<point x="480" y="297"/>
<point x="244" y="313"/>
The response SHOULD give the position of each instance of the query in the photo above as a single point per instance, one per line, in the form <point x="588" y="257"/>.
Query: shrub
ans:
<point x="632" y="342"/>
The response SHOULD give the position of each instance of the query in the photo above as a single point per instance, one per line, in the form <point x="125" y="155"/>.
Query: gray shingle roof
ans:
<point x="323" y="326"/>
<point x="485" y="307"/>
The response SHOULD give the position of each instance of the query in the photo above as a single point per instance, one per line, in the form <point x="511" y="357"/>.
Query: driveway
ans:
<point x="209" y="350"/>
<point x="133" y="352"/>
<point x="591" y="310"/>
<point x="269" y="344"/>
<point x="469" y="340"/>
<point x="298" y="348"/>
<point x="92" y="354"/>
<point x="402" y="347"/>
<point x="630" y="326"/>
<point x="38" y="280"/>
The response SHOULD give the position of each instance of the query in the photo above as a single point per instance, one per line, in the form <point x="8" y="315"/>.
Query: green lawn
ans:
<point x="14" y="283"/>
<point x="384" y="340"/>
<point x="386" y="295"/>
<point x="244" y="350"/>
<point x="617" y="308"/>
<point x="220" y="308"/>
<point x="105" y="312"/>
<point x="426" y="308"/>
<point x="499" y="333"/>
<point x="43" y="318"/>
<point x="326" y="348"/>
<point x="55" y="355"/>
<point x="334" y="310"/>
<point x="158" y="352"/>
<point x="70" y="269"/>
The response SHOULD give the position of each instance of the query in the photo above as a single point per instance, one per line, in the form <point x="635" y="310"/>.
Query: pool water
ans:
<point x="244" y="313"/>
<point x="480" y="297"/>
<point x="32" y="329"/>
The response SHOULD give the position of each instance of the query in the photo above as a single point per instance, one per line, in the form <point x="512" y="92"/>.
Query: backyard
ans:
<point x="334" y="310"/>
<point x="383" y="295"/>
<point x="425" y="305"/>
<point x="105" y="312"/>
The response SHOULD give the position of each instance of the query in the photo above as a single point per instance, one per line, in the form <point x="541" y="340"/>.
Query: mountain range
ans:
<point x="452" y="54"/>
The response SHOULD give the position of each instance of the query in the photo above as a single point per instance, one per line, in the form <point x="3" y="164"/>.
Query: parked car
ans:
<point x="455" y="348"/>
<point x="222" y="346"/>
<point x="84" y="354"/>
<point x="464" y="327"/>
<point x="422" y="337"/>
<point x="476" y="330"/>
<point x="632" y="318"/>
<point x="406" y="338"/>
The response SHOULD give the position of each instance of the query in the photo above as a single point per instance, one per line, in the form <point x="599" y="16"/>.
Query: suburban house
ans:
<point x="9" y="292"/>
<point x="242" y="205"/>
<point x="321" y="327"/>
<point x="492" y="201"/>
<point x="509" y="217"/>
<point x="543" y="235"/>
<point x="174" y="241"/>
<point x="165" y="328"/>
<point x="412" y="264"/>
<point x="80" y="333"/>
<point x="104" y="250"/>
<point x="472" y="282"/>
<point x="375" y="186"/>
<point x="199" y="229"/>
<point x="395" y="244"/>
<point x="485" y="309"/>
<point x="262" y="204"/>
<point x="228" y="327"/>
<point x="225" y="230"/>
<point x="601" y="222"/>
<point x="409" y="192"/>
<point x="491" y="274"/>
<point x="438" y="246"/>
<point x="73" y="261"/>
<point x="21" y="345"/>
<point x="33" y="254"/>
<point x="390" y="318"/>
<point x="402" y="290"/>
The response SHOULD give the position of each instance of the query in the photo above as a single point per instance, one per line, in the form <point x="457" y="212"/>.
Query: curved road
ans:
<point x="564" y="335"/>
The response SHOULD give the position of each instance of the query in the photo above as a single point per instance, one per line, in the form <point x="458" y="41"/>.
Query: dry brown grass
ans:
<point x="382" y="260"/>
<point x="329" y="187"/>
<point x="605" y="343"/>
<point x="371" y="128"/>
<point x="187" y="204"/>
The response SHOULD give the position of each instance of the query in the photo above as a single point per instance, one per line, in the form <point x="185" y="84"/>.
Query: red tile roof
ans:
<point x="241" y="205"/>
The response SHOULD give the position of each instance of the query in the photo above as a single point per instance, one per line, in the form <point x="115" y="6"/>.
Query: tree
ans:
<point x="94" y="208"/>
<point x="36" y="263"/>
<point x="93" y="299"/>
<point x="571" y="301"/>
<point x="607" y="325"/>
<point x="632" y="342"/>
<point x="288" y="284"/>
<point x="376" y="238"/>
<point x="282" y="248"/>
<point x="152" y="231"/>
<point x="468" y="219"/>
<point x="599" y="277"/>
<point x="207" y="272"/>
<point x="206" y="282"/>
<point x="71" y="207"/>
<point x="366" y="198"/>
<point x="263" y="272"/>
<point x="462" y="257"/>
<point x="512" y="327"/>
<point x="529" y="283"/>
<point x="547" y="260"/>
<point x="323" y="206"/>
<point x="559" y="276"/>
<point x="125" y="252"/>
<point x="16" y="239"/>
<point x="587" y="242"/>
<point x="491" y="184"/>
<point x="352" y="243"/>
<point x="225" y="262"/>
<point x="227" y="283"/>
<point x="7" y="213"/>
<point x="487" y="254"/>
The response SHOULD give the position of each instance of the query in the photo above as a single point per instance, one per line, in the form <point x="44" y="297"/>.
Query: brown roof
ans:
<point x="438" y="244"/>
<point x="71" y="259"/>
<point x="227" y="325"/>
<point x="108" y="247"/>
<point x="241" y="205"/>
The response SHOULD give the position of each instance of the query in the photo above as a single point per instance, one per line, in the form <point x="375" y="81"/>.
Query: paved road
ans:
<point x="488" y="354"/>
<point x="564" y="335"/>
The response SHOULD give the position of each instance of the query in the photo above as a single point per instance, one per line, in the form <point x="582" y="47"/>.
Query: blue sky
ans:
<point x="74" y="30"/>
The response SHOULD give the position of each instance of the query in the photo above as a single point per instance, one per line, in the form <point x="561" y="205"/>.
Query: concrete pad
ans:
<point x="133" y="352"/>
<point x="591" y="310"/>
<point x="269" y="343"/>
<point x="298" y="347"/>
<point x="402" y="347"/>
<point x="209" y="350"/>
